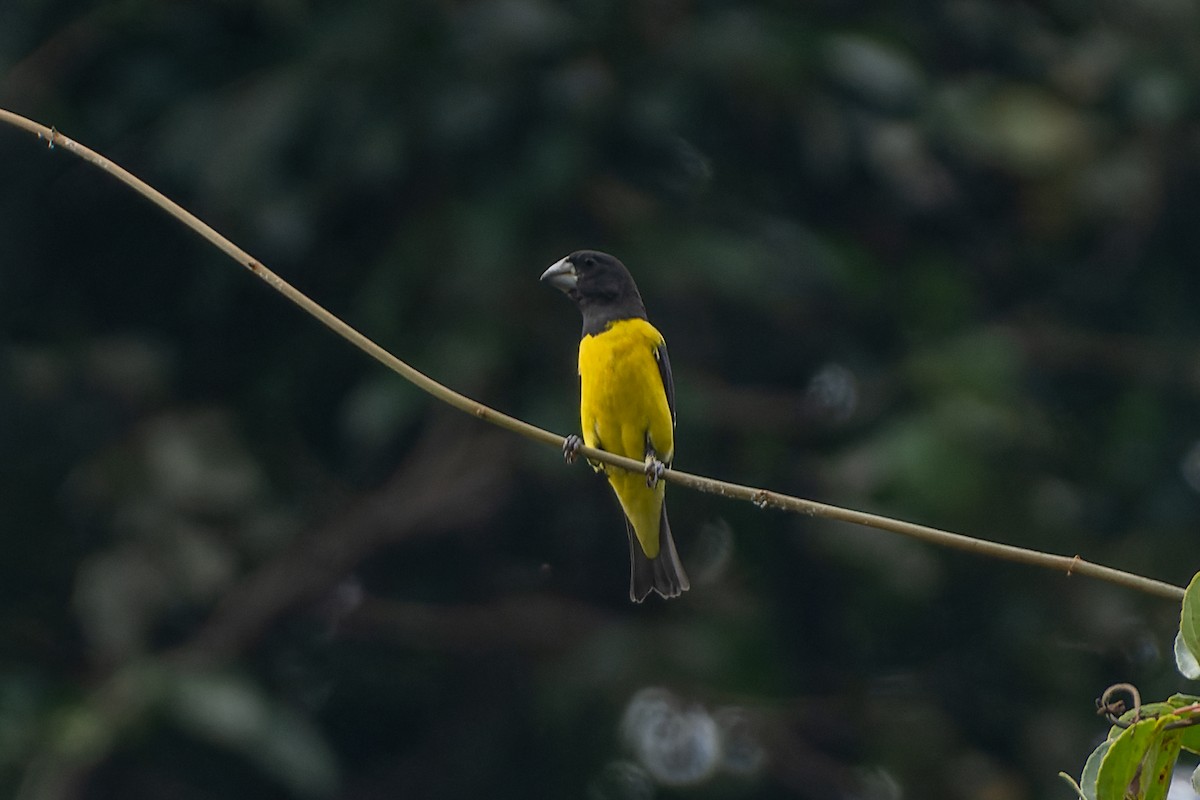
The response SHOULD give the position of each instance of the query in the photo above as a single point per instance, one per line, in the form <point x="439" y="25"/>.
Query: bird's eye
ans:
<point x="591" y="262"/>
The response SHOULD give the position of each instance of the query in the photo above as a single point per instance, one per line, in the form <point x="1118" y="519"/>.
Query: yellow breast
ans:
<point x="622" y="397"/>
<point x="623" y="407"/>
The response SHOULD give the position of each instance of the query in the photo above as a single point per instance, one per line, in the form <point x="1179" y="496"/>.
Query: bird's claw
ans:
<point x="571" y="447"/>
<point x="654" y="471"/>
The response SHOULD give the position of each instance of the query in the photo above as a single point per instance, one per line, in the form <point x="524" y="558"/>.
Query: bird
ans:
<point x="626" y="407"/>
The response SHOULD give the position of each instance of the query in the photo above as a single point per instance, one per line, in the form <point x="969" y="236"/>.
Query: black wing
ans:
<point x="664" y="371"/>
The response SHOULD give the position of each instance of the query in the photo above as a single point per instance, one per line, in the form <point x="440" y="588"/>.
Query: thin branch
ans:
<point x="1071" y="565"/>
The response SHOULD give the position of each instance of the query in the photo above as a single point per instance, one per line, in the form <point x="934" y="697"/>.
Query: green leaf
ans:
<point x="1091" y="770"/>
<point x="1189" y="737"/>
<point x="1121" y="766"/>
<point x="1147" y="711"/>
<point x="1185" y="662"/>
<point x="1155" y="777"/>
<point x="1189" y="621"/>
<point x="1187" y="707"/>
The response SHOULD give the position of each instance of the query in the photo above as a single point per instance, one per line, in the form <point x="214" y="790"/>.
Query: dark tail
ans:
<point x="663" y="574"/>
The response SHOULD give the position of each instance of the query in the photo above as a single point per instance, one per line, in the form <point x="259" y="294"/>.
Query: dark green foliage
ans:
<point x="932" y="260"/>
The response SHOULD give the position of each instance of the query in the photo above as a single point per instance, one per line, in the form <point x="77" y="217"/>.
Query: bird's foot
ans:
<point x="654" y="471"/>
<point x="571" y="447"/>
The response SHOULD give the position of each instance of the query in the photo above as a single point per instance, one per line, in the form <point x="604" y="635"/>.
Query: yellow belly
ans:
<point x="623" y="406"/>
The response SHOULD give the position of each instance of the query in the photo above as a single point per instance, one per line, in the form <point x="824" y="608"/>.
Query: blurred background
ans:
<point x="935" y="261"/>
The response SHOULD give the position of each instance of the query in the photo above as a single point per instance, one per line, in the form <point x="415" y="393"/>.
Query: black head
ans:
<point x="600" y="285"/>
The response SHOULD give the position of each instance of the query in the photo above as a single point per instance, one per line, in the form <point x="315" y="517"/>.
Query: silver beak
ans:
<point x="561" y="275"/>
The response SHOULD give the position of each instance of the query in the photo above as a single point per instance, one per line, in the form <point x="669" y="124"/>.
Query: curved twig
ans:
<point x="1070" y="565"/>
<point x="1113" y="710"/>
